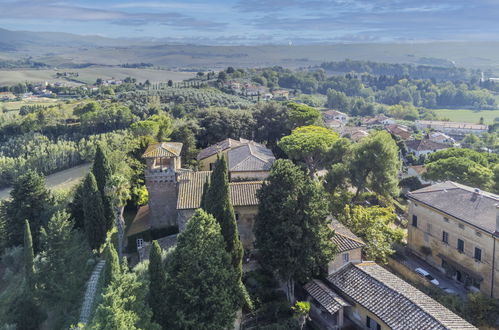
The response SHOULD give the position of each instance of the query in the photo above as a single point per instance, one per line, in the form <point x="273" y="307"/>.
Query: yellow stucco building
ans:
<point x="455" y="228"/>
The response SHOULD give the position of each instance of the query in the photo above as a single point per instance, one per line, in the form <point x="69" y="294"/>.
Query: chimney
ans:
<point x="476" y="193"/>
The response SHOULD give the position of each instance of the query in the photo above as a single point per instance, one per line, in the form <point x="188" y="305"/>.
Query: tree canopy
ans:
<point x="291" y="229"/>
<point x="303" y="115"/>
<point x="309" y="144"/>
<point x="375" y="164"/>
<point x="30" y="200"/>
<point x="202" y="287"/>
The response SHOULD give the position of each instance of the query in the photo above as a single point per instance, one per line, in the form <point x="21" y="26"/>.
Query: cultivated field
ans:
<point x="65" y="179"/>
<point x="16" y="105"/>
<point x="469" y="116"/>
<point x="90" y="74"/>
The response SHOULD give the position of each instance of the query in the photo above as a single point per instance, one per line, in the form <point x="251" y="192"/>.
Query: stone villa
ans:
<point x="175" y="192"/>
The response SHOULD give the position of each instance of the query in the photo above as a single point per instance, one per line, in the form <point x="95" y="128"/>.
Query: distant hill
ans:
<point x="66" y="50"/>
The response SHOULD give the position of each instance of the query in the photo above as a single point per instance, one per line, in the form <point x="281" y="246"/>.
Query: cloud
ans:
<point x="53" y="10"/>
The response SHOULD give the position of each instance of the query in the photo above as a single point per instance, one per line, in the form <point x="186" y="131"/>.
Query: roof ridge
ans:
<point x="358" y="240"/>
<point x="403" y="293"/>
<point x="245" y="182"/>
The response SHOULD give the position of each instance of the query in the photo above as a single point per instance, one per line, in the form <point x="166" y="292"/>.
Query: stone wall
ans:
<point x="162" y="202"/>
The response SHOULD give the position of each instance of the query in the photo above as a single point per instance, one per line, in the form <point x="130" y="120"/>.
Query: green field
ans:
<point x="90" y="74"/>
<point x="16" y="105"/>
<point x="469" y="116"/>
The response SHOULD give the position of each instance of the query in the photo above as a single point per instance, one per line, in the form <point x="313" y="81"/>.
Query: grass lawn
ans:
<point x="471" y="116"/>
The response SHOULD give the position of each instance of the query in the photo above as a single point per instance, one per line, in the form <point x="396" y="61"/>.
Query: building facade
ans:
<point x="455" y="228"/>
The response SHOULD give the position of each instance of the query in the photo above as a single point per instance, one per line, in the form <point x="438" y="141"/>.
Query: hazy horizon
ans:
<point x="237" y="22"/>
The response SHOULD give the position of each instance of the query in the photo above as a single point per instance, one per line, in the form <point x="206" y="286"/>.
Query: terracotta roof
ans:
<point x="325" y="296"/>
<point x="250" y="157"/>
<point x="461" y="202"/>
<point x="220" y="146"/>
<point x="424" y="145"/>
<point x="451" y="124"/>
<point x="141" y="222"/>
<point x="191" y="189"/>
<point x="397" y="303"/>
<point x="163" y="149"/>
<point x="399" y="130"/>
<point x="344" y="239"/>
<point x="244" y="193"/>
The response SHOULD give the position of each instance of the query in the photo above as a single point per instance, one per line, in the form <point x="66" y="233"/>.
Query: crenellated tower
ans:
<point x="163" y="164"/>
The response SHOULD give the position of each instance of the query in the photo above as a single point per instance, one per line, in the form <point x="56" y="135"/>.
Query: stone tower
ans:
<point x="163" y="165"/>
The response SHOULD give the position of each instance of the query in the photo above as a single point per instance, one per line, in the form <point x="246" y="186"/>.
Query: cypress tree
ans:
<point x="29" y="255"/>
<point x="218" y="203"/>
<point x="206" y="188"/>
<point x="93" y="210"/>
<point x="201" y="288"/>
<point x="157" y="281"/>
<point x="101" y="169"/>
<point x="112" y="264"/>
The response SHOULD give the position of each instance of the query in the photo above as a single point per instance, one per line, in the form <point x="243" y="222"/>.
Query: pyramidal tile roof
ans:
<point x="163" y="149"/>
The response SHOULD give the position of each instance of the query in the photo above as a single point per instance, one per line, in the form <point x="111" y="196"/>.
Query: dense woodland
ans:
<point x="52" y="240"/>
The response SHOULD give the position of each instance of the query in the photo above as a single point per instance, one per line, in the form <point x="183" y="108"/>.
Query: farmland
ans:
<point x="65" y="179"/>
<point x="466" y="115"/>
<point x="90" y="74"/>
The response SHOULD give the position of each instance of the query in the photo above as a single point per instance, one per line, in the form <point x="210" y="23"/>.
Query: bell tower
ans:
<point x="161" y="174"/>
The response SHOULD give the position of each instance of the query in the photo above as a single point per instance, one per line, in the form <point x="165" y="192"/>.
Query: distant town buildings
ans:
<point x="455" y="129"/>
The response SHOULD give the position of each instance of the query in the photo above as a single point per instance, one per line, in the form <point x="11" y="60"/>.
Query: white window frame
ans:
<point x="139" y="242"/>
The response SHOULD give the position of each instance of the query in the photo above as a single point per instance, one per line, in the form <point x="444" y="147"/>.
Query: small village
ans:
<point x="243" y="200"/>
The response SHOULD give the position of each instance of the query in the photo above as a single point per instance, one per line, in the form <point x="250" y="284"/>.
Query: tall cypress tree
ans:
<point x="112" y="264"/>
<point x="101" y="169"/>
<point x="93" y="210"/>
<point x="206" y="188"/>
<point x="218" y="203"/>
<point x="157" y="282"/>
<point x="30" y="200"/>
<point x="201" y="286"/>
<point x="29" y="255"/>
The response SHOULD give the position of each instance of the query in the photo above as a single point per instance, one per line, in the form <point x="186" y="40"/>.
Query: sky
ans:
<point x="260" y="21"/>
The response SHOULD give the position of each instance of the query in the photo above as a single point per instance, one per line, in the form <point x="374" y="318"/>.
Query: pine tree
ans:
<point x="101" y="169"/>
<point x="218" y="203"/>
<point x="30" y="200"/>
<point x="157" y="282"/>
<point x="201" y="286"/>
<point x="112" y="264"/>
<point x="29" y="256"/>
<point x="63" y="269"/>
<point x="95" y="219"/>
<point x="291" y="227"/>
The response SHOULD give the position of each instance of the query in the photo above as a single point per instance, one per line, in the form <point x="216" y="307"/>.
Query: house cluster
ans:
<point x="251" y="89"/>
<point x="356" y="293"/>
<point x="455" y="228"/>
